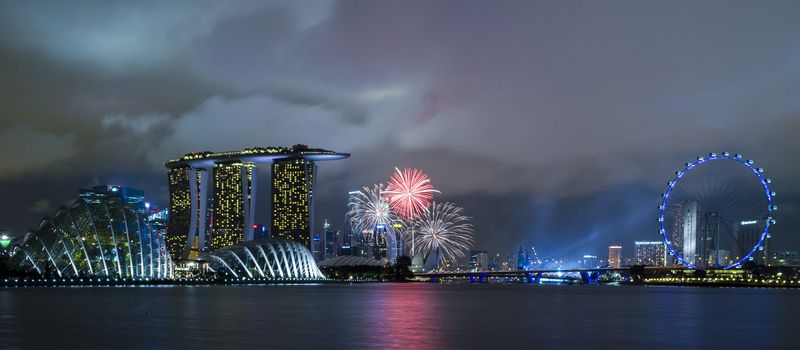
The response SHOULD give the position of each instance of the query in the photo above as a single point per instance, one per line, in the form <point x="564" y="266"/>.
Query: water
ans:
<point x="409" y="316"/>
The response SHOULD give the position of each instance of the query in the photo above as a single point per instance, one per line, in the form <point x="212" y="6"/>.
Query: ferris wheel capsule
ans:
<point x="738" y="156"/>
<point x="712" y="155"/>
<point x="726" y="154"/>
<point x="749" y="161"/>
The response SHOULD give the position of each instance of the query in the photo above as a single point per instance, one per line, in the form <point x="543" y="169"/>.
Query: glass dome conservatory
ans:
<point x="266" y="258"/>
<point x="103" y="238"/>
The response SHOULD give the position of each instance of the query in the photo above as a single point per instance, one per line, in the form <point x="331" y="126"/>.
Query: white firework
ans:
<point x="369" y="213"/>
<point x="443" y="231"/>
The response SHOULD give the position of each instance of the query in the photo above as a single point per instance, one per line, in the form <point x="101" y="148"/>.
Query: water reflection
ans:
<point x="391" y="316"/>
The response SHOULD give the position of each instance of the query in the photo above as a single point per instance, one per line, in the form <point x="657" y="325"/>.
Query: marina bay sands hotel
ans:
<point x="230" y="215"/>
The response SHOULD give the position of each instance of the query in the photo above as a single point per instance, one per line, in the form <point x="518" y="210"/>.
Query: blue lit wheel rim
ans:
<point x="762" y="214"/>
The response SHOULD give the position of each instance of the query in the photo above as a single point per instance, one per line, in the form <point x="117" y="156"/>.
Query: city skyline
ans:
<point x="537" y="133"/>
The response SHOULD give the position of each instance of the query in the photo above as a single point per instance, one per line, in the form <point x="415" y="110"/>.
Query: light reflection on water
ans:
<point x="387" y="316"/>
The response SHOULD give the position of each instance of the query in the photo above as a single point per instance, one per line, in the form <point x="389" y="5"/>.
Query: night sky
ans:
<point x="552" y="122"/>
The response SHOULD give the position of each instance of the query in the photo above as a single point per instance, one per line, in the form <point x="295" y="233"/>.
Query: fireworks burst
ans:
<point x="369" y="213"/>
<point x="444" y="229"/>
<point x="370" y="209"/>
<point x="409" y="192"/>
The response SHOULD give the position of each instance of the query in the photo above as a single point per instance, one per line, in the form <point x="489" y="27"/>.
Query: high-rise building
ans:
<point x="614" y="256"/>
<point x="186" y="230"/>
<point x="332" y="241"/>
<point x="292" y="199"/>
<point x="747" y="234"/>
<point x="230" y="212"/>
<point x="589" y="261"/>
<point x="317" y="248"/>
<point x="478" y="260"/>
<point x="128" y="195"/>
<point x="651" y="253"/>
<point x="689" y="214"/>
<point x="234" y="200"/>
<point x="522" y="259"/>
<point x="352" y="238"/>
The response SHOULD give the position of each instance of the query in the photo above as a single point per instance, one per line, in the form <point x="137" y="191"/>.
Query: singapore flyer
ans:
<point x="716" y="213"/>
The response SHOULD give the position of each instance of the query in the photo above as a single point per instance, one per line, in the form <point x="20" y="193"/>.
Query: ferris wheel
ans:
<point x="717" y="212"/>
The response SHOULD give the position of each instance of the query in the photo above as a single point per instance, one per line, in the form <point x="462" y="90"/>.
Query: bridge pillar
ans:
<point x="471" y="278"/>
<point x="529" y="277"/>
<point x="483" y="277"/>
<point x="538" y="279"/>
<point x="433" y="279"/>
<point x="590" y="277"/>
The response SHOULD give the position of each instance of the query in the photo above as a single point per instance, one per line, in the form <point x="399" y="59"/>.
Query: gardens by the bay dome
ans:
<point x="100" y="238"/>
<point x="264" y="258"/>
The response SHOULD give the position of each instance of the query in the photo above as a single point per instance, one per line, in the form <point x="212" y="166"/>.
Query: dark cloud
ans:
<point x="552" y="122"/>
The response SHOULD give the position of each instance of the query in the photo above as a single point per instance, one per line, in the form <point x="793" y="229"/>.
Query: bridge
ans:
<point x="588" y="275"/>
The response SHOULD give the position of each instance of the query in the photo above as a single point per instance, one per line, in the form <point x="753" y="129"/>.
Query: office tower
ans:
<point x="689" y="214"/>
<point x="614" y="256"/>
<point x="747" y="234"/>
<point x="332" y="241"/>
<point x="651" y="253"/>
<point x="128" y="195"/>
<point x="522" y="259"/>
<point x="292" y="199"/>
<point x="234" y="200"/>
<point x="478" y="260"/>
<point x="589" y="261"/>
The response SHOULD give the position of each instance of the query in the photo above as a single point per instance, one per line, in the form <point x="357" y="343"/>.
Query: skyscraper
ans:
<point x="689" y="214"/>
<point x="522" y="259"/>
<point x="231" y="209"/>
<point x="234" y="189"/>
<point x="746" y="234"/>
<point x="614" y="256"/>
<point x="651" y="253"/>
<point x="128" y="195"/>
<point x="292" y="199"/>
<point x="332" y="241"/>
<point x="187" y="228"/>
<point x="478" y="260"/>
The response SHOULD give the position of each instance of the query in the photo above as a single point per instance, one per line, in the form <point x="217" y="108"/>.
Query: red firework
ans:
<point x="409" y="192"/>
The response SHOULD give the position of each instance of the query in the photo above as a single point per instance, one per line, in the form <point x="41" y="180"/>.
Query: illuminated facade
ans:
<point x="614" y="256"/>
<point x="106" y="238"/>
<point x="332" y="241"/>
<point x="231" y="211"/>
<point x="292" y="198"/>
<point x="234" y="198"/>
<point x="651" y="253"/>
<point x="264" y="258"/>
<point x="186" y="231"/>
<point x="689" y="215"/>
<point x="478" y="260"/>
<point x="128" y="195"/>
<point x="746" y="234"/>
